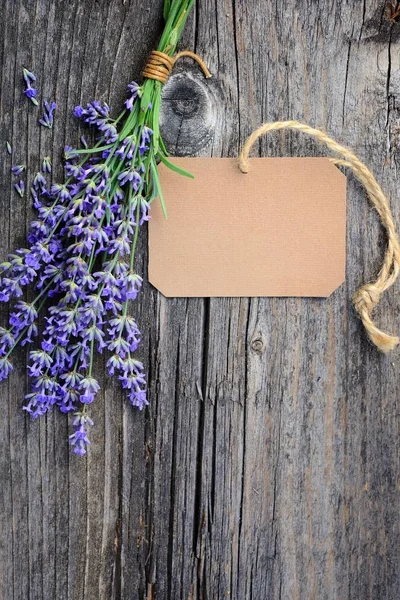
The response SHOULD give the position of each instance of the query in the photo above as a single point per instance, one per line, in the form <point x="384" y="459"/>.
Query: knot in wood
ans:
<point x="186" y="105"/>
<point x="188" y="114"/>
<point x="257" y="346"/>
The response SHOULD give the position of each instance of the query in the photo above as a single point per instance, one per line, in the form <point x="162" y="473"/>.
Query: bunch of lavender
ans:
<point x="81" y="255"/>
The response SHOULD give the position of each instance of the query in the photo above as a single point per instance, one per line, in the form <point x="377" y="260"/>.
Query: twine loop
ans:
<point x="160" y="65"/>
<point x="368" y="296"/>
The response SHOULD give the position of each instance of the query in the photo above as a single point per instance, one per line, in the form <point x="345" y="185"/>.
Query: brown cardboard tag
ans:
<point x="277" y="231"/>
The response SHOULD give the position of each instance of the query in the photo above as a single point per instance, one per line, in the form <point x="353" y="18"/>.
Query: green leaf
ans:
<point x="88" y="150"/>
<point x="156" y="120"/>
<point x="175" y="6"/>
<point x="162" y="146"/>
<point x="129" y="123"/>
<point x="173" y="167"/>
<point x="157" y="187"/>
<point x="145" y="100"/>
<point x="167" y="6"/>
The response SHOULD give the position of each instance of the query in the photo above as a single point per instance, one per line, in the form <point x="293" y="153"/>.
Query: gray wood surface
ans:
<point x="268" y="464"/>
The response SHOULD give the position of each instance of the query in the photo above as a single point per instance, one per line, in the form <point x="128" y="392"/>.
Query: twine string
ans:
<point x="160" y="65"/>
<point x="368" y="296"/>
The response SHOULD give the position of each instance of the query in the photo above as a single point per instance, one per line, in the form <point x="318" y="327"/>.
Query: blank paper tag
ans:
<point x="278" y="231"/>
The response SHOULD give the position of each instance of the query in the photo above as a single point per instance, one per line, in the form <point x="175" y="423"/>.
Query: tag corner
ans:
<point x="336" y="286"/>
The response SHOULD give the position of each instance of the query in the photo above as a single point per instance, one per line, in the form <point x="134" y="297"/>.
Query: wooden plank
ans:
<point x="267" y="465"/>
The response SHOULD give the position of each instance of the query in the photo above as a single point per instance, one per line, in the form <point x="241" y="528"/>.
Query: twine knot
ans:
<point x="366" y="298"/>
<point x="160" y="65"/>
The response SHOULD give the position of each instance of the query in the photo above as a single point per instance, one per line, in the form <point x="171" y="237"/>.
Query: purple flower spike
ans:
<point x="136" y="92"/>
<point x="98" y="115"/>
<point x="5" y="368"/>
<point x="79" y="439"/>
<point x="135" y="89"/>
<point x="129" y="103"/>
<point x="145" y="140"/>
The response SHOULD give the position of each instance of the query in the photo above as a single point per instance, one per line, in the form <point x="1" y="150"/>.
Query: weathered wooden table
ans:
<point x="267" y="465"/>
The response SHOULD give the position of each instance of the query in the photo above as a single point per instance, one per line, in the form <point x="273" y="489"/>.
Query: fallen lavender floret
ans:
<point x="82" y="255"/>
<point x="20" y="188"/>
<point x="9" y="148"/>
<point x="46" y="165"/>
<point x="17" y="169"/>
<point x="47" y="119"/>
<point x="30" y="92"/>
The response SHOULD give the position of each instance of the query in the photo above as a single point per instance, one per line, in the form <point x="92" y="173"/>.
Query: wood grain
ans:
<point x="268" y="463"/>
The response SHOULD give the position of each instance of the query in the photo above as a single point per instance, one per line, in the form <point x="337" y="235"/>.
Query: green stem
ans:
<point x="136" y="235"/>
<point x="91" y="357"/>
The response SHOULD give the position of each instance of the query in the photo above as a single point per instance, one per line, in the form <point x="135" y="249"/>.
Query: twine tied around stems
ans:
<point x="160" y="65"/>
<point x="368" y="296"/>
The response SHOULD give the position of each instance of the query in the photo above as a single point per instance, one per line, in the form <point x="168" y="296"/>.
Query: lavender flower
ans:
<point x="20" y="188"/>
<point x="39" y="182"/>
<point x="46" y="164"/>
<point x="28" y="76"/>
<point x="47" y="119"/>
<point x="135" y="90"/>
<point x="30" y="92"/>
<point x="9" y="148"/>
<point x="17" y="169"/>
<point x="145" y="140"/>
<point x="5" y="368"/>
<point x="98" y="114"/>
<point x="79" y="439"/>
